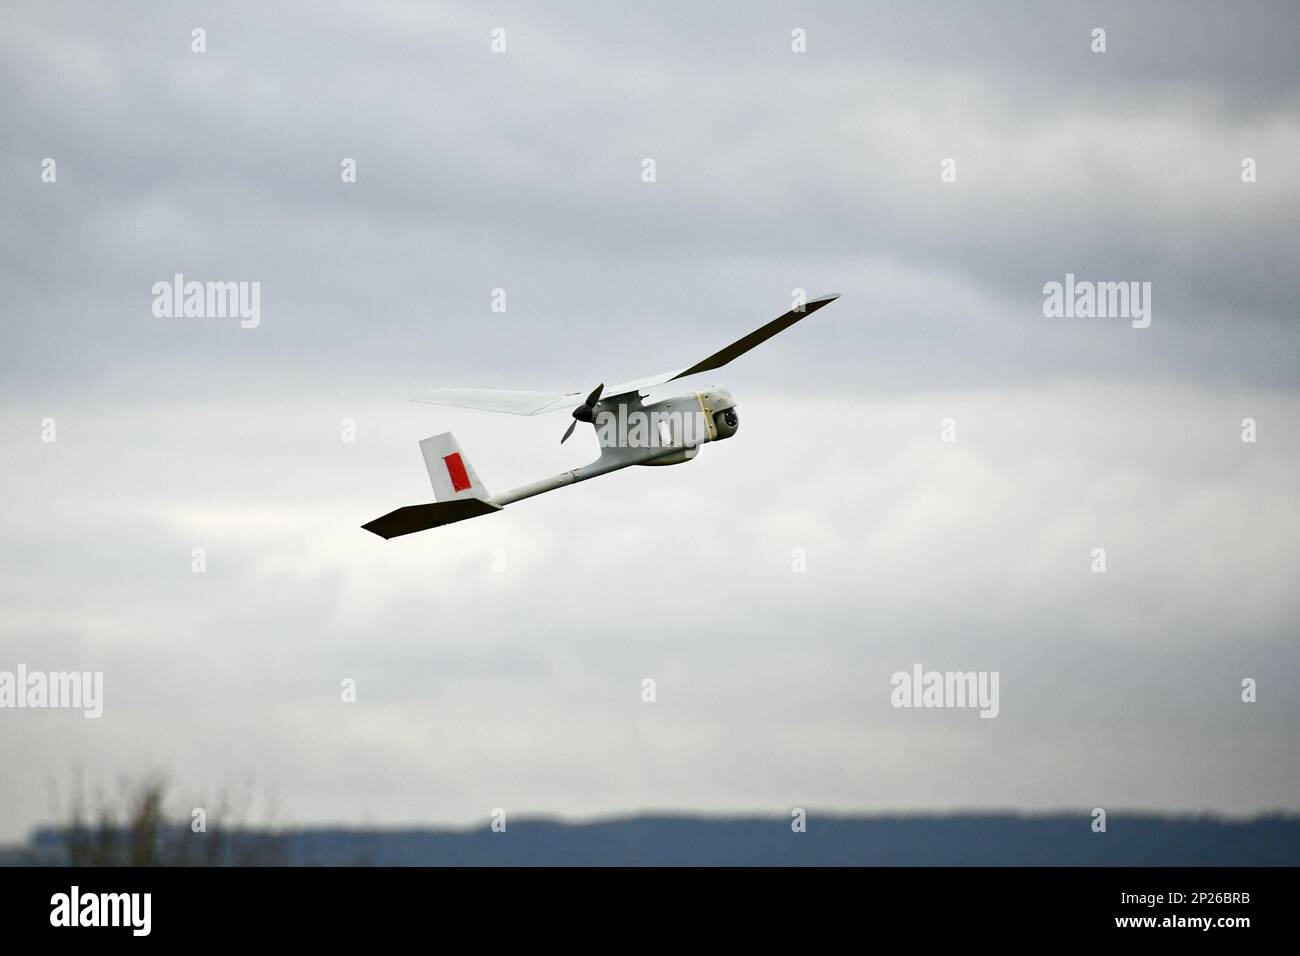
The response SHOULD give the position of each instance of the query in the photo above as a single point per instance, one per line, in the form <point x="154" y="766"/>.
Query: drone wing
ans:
<point x="501" y="400"/>
<point x="535" y="403"/>
<point x="727" y="354"/>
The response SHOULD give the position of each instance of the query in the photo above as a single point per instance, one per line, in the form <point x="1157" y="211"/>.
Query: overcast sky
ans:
<point x="521" y="688"/>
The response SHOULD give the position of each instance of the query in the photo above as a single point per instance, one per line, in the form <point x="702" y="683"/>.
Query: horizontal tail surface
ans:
<point x="414" y="518"/>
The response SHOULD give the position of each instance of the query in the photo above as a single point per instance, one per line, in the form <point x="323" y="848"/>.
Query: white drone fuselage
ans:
<point x="666" y="432"/>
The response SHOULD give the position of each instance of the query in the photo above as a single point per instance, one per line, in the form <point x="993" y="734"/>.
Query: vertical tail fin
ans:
<point x="452" y="475"/>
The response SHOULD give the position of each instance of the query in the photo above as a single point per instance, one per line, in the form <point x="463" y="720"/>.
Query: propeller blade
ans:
<point x="572" y="425"/>
<point x="594" y="397"/>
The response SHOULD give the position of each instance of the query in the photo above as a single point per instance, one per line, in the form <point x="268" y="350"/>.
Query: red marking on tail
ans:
<point x="456" y="468"/>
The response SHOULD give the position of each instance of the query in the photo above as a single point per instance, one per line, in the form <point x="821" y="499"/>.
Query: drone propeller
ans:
<point x="586" y="412"/>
